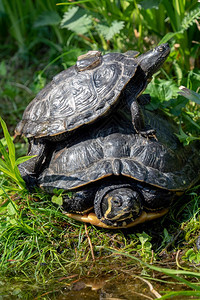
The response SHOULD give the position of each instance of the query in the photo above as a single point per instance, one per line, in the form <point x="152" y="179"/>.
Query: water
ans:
<point x="124" y="286"/>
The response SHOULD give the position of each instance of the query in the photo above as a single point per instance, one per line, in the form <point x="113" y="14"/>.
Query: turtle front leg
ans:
<point x="79" y="202"/>
<point x="30" y="168"/>
<point x="144" y="99"/>
<point x="139" y="122"/>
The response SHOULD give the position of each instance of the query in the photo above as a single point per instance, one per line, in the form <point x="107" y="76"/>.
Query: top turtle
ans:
<point x="88" y="90"/>
<point x="81" y="95"/>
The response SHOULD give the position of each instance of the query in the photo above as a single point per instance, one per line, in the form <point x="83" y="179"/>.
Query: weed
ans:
<point x="192" y="256"/>
<point x="9" y="164"/>
<point x="145" y="248"/>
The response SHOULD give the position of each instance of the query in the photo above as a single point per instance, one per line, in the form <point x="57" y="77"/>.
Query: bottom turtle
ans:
<point x="118" y="178"/>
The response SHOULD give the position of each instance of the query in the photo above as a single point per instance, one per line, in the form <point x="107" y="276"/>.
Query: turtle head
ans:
<point x="117" y="206"/>
<point x="151" y="61"/>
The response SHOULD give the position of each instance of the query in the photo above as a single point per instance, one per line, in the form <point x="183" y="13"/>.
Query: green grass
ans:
<point x="41" y="245"/>
<point x="38" y="242"/>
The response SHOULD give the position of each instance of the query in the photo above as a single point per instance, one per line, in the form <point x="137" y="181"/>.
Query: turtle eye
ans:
<point x="163" y="47"/>
<point x="117" y="202"/>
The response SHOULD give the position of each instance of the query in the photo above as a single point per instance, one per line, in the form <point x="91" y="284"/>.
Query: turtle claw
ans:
<point x="148" y="133"/>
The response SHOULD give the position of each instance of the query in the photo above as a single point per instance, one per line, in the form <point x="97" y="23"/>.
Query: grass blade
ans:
<point x="9" y="165"/>
<point x="15" y="23"/>
<point x="8" y="173"/>
<point x="11" y="147"/>
<point x="3" y="164"/>
<point x="180" y="293"/>
<point x="170" y="272"/>
<point x="5" y="154"/>
<point x="167" y="37"/>
<point x="22" y="159"/>
<point x="189" y="94"/>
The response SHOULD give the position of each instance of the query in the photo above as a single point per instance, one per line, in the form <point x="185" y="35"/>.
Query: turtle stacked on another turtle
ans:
<point x="92" y="137"/>
<point x="92" y="89"/>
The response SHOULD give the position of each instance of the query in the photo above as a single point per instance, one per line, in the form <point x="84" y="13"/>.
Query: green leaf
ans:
<point x="11" y="147"/>
<point x="168" y="37"/>
<point x="11" y="220"/>
<point x="179" y="295"/>
<point x="57" y="200"/>
<point x="9" y="165"/>
<point x="5" y="154"/>
<point x="3" y="164"/>
<point x="162" y="89"/>
<point x="76" y="20"/>
<point x="19" y="179"/>
<point x="47" y="18"/>
<point x="11" y="209"/>
<point x="190" y="18"/>
<point x="186" y="115"/>
<point x="189" y="94"/>
<point x="13" y="174"/>
<point x="184" y="138"/>
<point x="8" y="173"/>
<point x="179" y="72"/>
<point x="144" y="239"/>
<point x="109" y="31"/>
<point x="188" y="253"/>
<point x="23" y="159"/>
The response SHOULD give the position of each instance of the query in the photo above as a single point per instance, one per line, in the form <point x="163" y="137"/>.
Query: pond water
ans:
<point x="112" y="287"/>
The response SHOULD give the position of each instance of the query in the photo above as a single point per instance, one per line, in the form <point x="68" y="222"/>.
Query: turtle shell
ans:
<point x="80" y="94"/>
<point x="113" y="148"/>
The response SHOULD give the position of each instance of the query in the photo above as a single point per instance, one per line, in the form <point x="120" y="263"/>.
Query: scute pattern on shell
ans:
<point x="75" y="98"/>
<point x="114" y="149"/>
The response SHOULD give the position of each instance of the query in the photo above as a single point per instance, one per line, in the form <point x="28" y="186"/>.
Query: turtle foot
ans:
<point x="148" y="133"/>
<point x="31" y="182"/>
<point x="30" y="179"/>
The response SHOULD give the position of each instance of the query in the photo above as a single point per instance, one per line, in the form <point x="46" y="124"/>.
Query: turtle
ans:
<point x="115" y="178"/>
<point x="84" y="93"/>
